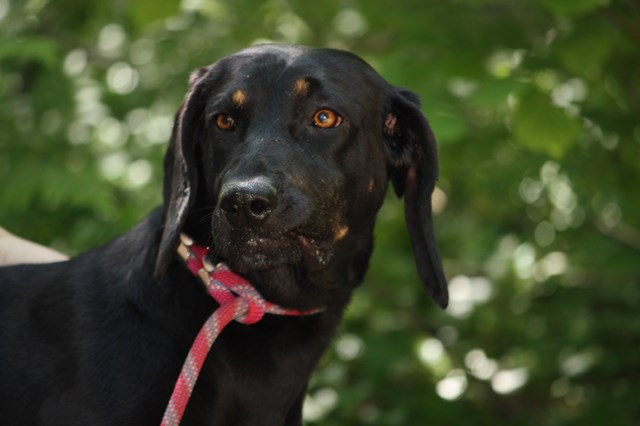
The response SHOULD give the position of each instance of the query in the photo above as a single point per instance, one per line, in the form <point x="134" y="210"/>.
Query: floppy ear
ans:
<point x="180" y="174"/>
<point x="412" y="160"/>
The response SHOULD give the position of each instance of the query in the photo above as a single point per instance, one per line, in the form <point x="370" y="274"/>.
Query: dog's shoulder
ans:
<point x="106" y="265"/>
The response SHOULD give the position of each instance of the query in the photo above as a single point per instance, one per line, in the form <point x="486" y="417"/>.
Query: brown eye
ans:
<point x="225" y="122"/>
<point x="326" y="119"/>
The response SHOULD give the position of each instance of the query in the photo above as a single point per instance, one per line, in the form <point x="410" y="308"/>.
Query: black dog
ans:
<point x="279" y="160"/>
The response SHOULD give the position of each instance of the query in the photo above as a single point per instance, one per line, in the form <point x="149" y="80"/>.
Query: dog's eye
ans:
<point x="225" y="122"/>
<point x="326" y="119"/>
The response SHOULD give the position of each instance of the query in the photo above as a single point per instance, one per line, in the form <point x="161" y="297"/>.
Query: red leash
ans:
<point x="238" y="301"/>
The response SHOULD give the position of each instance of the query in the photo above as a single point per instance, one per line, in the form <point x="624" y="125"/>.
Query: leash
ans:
<point x="238" y="301"/>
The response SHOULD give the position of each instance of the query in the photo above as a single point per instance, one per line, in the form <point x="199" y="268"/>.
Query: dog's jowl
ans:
<point x="279" y="160"/>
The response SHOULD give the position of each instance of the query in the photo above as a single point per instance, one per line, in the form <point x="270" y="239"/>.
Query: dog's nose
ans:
<point x="249" y="201"/>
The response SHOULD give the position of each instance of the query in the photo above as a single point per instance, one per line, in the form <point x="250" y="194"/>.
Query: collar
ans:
<point x="238" y="300"/>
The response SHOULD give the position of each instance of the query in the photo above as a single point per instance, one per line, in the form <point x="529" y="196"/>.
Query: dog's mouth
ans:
<point x="250" y="252"/>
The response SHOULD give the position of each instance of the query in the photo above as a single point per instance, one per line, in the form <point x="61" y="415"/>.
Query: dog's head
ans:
<point x="280" y="158"/>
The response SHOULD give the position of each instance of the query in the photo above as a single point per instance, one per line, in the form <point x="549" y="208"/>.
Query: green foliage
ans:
<point x="542" y="126"/>
<point x="535" y="106"/>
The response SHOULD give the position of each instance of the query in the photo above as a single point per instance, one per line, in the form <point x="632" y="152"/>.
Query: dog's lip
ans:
<point x="316" y="253"/>
<point x="260" y="252"/>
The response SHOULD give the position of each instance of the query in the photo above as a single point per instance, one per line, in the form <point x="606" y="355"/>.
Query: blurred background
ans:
<point x="536" y="108"/>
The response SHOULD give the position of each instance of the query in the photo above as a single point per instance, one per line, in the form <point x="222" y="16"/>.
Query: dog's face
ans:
<point x="280" y="158"/>
<point x="293" y="162"/>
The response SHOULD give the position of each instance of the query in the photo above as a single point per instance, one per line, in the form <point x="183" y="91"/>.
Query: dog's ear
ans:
<point x="412" y="160"/>
<point x="180" y="174"/>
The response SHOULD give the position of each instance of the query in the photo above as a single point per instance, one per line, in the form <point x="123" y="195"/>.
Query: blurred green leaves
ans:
<point x="566" y="8"/>
<point x="543" y="127"/>
<point x="535" y="105"/>
<point x="32" y="49"/>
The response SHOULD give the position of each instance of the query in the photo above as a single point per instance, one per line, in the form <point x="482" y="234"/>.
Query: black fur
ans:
<point x="100" y="339"/>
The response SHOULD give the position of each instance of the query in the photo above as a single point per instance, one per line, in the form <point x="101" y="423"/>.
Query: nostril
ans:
<point x="259" y="208"/>
<point x="229" y="204"/>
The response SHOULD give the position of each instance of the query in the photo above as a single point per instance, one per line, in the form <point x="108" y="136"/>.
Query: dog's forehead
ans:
<point x="277" y="57"/>
<point x="294" y="69"/>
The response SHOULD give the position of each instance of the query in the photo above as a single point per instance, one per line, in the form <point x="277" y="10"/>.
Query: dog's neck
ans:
<point x="180" y="306"/>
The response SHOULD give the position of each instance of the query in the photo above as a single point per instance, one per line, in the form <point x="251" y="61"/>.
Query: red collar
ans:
<point x="238" y="300"/>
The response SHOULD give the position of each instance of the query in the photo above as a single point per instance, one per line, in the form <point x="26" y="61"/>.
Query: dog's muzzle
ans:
<point x="261" y="228"/>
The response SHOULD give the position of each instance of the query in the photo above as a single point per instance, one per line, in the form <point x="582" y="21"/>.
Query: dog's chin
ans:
<point x="276" y="266"/>
<point x="252" y="254"/>
<point x="281" y="267"/>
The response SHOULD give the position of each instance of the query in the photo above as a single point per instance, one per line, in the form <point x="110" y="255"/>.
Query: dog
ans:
<point x="279" y="159"/>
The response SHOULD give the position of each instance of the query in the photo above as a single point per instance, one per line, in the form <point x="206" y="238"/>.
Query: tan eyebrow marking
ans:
<point x="340" y="233"/>
<point x="239" y="97"/>
<point x="301" y="87"/>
